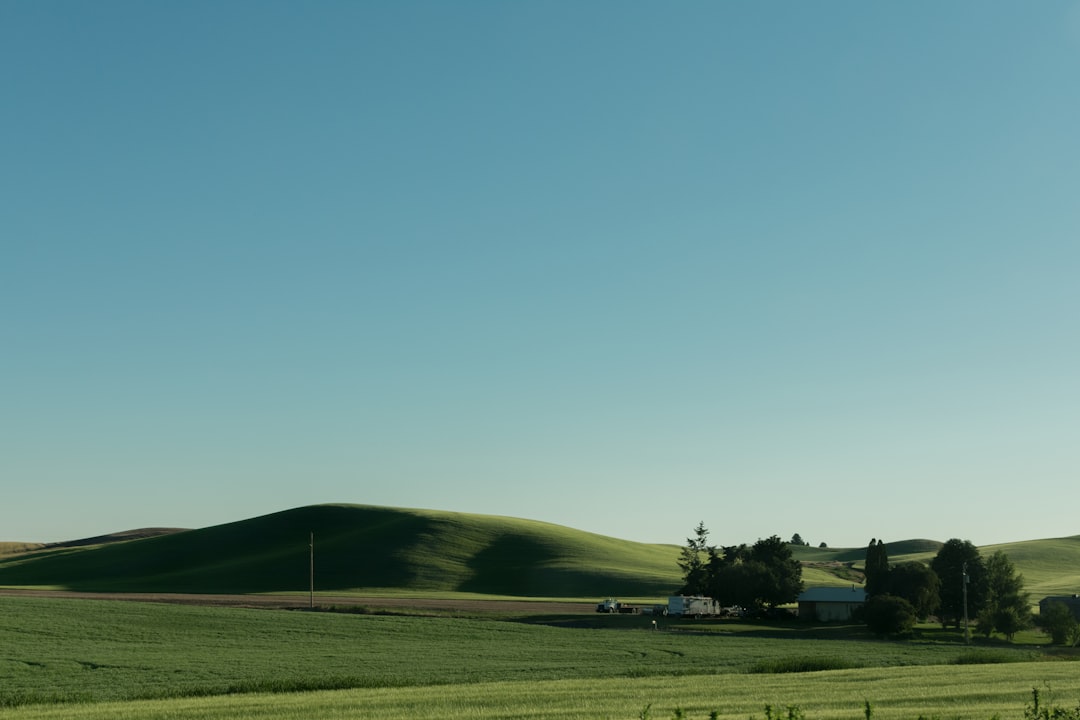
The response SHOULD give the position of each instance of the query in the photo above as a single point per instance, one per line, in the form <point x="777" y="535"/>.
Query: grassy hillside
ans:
<point x="1050" y="567"/>
<point x="361" y="547"/>
<point x="898" y="552"/>
<point x="365" y="548"/>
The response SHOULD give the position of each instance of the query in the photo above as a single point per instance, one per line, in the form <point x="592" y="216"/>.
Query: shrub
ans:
<point x="889" y="615"/>
<point x="1059" y="623"/>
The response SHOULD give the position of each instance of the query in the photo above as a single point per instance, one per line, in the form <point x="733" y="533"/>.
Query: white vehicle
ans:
<point x="693" y="606"/>
<point x="611" y="605"/>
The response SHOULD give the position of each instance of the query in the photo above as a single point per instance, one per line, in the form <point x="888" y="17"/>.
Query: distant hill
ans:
<point x="904" y="549"/>
<point x="366" y="548"/>
<point x="124" y="536"/>
<point x="10" y="548"/>
<point x="1049" y="567"/>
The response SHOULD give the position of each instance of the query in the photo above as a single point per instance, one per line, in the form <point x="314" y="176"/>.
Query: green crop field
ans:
<point x="83" y="650"/>
<point x="108" y="659"/>
<point x="903" y="693"/>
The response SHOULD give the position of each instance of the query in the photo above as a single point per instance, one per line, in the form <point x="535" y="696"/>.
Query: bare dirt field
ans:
<point x="299" y="601"/>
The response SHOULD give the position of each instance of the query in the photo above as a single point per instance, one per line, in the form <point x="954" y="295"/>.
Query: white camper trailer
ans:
<point x="692" y="606"/>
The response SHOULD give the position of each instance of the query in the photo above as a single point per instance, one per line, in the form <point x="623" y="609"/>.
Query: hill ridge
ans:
<point x="367" y="547"/>
<point x="360" y="547"/>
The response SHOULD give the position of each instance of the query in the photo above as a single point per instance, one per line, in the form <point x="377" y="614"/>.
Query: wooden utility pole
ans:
<point x="967" y="633"/>
<point x="311" y="597"/>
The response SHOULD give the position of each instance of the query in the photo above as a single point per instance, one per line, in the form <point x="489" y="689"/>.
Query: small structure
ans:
<point x="830" y="604"/>
<point x="1070" y="601"/>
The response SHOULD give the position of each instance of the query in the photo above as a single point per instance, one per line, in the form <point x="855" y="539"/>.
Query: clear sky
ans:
<point x="780" y="267"/>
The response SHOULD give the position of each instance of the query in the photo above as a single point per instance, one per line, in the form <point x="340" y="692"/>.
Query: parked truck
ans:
<point x="694" y="606"/>
<point x="611" y="605"/>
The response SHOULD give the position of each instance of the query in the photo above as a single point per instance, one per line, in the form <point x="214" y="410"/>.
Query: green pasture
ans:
<point x="90" y="651"/>
<point x="98" y="659"/>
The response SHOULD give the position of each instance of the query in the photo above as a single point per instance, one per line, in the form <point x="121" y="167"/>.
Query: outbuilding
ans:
<point x="830" y="604"/>
<point x="1070" y="601"/>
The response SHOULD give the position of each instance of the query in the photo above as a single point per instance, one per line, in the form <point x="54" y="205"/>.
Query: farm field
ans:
<point x="901" y="693"/>
<point x="111" y="659"/>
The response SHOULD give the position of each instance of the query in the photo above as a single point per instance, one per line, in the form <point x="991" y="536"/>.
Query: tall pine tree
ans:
<point x="694" y="561"/>
<point x="877" y="568"/>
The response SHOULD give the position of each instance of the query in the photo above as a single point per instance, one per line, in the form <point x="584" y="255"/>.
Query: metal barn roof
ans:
<point x="833" y="594"/>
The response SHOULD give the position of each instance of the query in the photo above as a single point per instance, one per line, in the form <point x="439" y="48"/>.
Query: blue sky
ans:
<point x="620" y="266"/>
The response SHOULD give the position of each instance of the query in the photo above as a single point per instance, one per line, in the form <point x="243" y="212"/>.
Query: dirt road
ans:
<point x="525" y="607"/>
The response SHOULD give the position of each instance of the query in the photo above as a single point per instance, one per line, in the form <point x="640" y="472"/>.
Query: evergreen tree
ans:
<point x="877" y="568"/>
<point x="694" y="560"/>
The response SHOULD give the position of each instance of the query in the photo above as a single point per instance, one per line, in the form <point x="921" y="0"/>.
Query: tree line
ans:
<point x="958" y="586"/>
<point x="761" y="576"/>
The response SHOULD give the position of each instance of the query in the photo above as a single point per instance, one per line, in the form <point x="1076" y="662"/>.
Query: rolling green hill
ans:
<point x="361" y="547"/>
<point x="366" y="548"/>
<point x="1049" y="567"/>
<point x="898" y="552"/>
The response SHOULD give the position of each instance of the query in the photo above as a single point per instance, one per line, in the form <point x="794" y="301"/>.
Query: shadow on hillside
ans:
<point x="512" y="565"/>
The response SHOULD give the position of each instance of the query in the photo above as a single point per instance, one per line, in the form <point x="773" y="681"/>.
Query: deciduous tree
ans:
<point x="783" y="581"/>
<point x="918" y="584"/>
<point x="764" y="575"/>
<point x="1008" y="607"/>
<point x="949" y="564"/>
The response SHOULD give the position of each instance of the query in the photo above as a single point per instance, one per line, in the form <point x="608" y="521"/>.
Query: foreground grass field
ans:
<point x="897" y="693"/>
<point x="98" y="659"/>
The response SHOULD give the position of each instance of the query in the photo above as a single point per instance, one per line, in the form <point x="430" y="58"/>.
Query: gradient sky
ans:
<point x="778" y="267"/>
